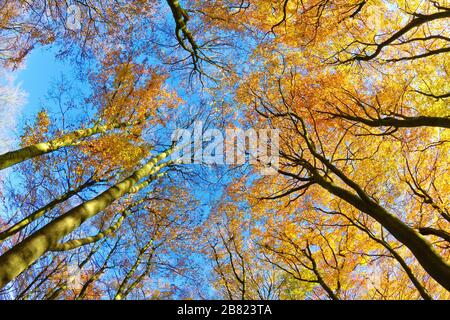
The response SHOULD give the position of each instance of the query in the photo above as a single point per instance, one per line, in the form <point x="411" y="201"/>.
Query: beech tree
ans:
<point x="357" y="207"/>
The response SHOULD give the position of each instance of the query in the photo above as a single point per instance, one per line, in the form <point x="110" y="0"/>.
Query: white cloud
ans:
<point x="12" y="100"/>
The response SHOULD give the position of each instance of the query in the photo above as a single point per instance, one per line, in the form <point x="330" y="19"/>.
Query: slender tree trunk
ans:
<point x="14" y="157"/>
<point x="97" y="274"/>
<point x="124" y="290"/>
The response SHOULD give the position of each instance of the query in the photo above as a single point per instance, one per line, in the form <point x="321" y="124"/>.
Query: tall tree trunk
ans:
<point x="14" y="157"/>
<point x="17" y="259"/>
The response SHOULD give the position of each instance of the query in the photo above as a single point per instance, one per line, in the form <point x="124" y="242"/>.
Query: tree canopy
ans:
<point x="358" y="204"/>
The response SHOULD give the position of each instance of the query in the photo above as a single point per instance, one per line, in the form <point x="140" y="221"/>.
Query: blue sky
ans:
<point x="40" y="70"/>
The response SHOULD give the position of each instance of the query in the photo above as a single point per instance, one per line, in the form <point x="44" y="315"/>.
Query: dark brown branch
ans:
<point x="418" y="20"/>
<point x="435" y="232"/>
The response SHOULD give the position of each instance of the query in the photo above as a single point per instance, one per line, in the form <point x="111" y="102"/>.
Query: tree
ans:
<point x="357" y="89"/>
<point x="326" y="112"/>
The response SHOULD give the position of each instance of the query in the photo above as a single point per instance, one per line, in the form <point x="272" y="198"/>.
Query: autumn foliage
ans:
<point x="358" y="208"/>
